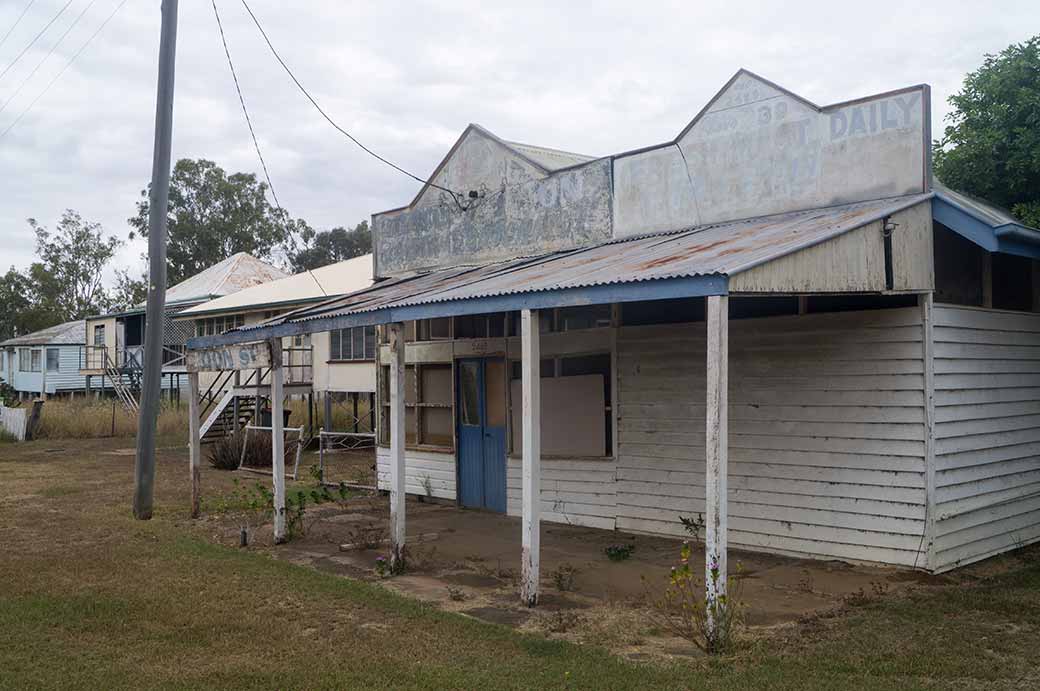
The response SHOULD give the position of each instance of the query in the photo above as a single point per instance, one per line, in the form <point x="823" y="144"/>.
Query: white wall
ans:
<point x="826" y="445"/>
<point x="826" y="439"/>
<point x="987" y="412"/>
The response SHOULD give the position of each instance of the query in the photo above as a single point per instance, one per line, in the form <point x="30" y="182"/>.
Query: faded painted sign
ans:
<point x="519" y="211"/>
<point x="758" y="150"/>
<point x="232" y="357"/>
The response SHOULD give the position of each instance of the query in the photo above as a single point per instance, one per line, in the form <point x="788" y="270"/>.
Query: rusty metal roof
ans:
<point x="718" y="249"/>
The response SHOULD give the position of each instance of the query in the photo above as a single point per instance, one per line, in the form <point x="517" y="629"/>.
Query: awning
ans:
<point x="692" y="262"/>
<point x="988" y="226"/>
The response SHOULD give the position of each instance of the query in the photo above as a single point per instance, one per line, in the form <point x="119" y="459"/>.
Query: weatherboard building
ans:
<point x="778" y="321"/>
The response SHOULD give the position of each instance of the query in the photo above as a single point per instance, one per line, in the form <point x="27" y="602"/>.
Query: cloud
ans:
<point x="406" y="78"/>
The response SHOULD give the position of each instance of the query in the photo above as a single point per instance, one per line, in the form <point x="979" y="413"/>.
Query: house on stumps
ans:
<point x="778" y="321"/>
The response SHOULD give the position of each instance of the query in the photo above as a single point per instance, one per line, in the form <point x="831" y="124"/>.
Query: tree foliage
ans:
<point x="991" y="147"/>
<point x="331" y="246"/>
<point x="66" y="282"/>
<point x="72" y="260"/>
<point x="213" y="215"/>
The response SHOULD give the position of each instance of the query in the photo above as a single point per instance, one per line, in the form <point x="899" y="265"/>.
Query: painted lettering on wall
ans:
<point x="874" y="117"/>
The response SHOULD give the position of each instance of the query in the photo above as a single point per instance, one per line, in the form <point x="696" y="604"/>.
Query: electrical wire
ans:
<point x="47" y="56"/>
<point x="63" y="69"/>
<point x="454" y="195"/>
<point x="16" y="23"/>
<point x="35" y="39"/>
<point x="242" y="101"/>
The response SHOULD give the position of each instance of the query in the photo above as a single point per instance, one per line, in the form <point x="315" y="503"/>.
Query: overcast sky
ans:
<point x="406" y="78"/>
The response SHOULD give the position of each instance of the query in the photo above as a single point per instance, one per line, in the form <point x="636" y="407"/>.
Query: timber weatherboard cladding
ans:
<point x="987" y="399"/>
<point x="826" y="433"/>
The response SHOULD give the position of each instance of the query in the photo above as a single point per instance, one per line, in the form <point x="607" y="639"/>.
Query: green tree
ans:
<point x="68" y="278"/>
<point x="330" y="246"/>
<point x="991" y="147"/>
<point x="213" y="215"/>
<point x="128" y="291"/>
<point x="22" y="312"/>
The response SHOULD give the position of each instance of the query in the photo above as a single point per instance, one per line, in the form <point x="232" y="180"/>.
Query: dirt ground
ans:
<point x="468" y="561"/>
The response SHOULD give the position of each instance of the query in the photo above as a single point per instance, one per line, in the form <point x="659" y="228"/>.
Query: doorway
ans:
<point x="481" y="409"/>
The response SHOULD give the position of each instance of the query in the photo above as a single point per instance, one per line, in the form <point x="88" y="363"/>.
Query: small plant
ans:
<point x="879" y="588"/>
<point x="619" y="552"/>
<point x="806" y="584"/>
<point x="6" y="437"/>
<point x="427" y="485"/>
<point x="382" y="566"/>
<point x="562" y="621"/>
<point x="563" y="577"/>
<point x="709" y="622"/>
<point x="857" y="598"/>
<point x="693" y="526"/>
<point x="456" y="594"/>
<point x="368" y="535"/>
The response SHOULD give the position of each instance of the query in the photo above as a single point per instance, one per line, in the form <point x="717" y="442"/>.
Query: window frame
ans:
<point x="418" y="405"/>
<point x="369" y="348"/>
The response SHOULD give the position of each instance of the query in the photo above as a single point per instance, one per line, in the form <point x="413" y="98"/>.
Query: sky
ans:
<point x="406" y="78"/>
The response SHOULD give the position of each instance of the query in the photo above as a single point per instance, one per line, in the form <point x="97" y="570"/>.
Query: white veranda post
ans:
<point x="278" y="438"/>
<point x="397" y="468"/>
<point x="532" y="455"/>
<point x="716" y="450"/>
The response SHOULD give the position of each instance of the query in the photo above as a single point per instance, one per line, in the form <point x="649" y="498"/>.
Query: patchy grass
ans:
<point x="94" y="599"/>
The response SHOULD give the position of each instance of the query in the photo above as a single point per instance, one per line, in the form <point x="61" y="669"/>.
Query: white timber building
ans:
<point x="778" y="321"/>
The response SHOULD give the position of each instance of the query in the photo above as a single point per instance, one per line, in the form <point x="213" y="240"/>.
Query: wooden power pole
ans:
<point x="158" y="197"/>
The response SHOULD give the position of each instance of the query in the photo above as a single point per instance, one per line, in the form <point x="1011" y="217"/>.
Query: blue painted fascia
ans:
<point x="658" y="289"/>
<point x="1009" y="238"/>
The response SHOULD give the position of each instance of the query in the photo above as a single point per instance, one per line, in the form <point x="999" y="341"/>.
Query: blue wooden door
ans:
<point x="482" y="433"/>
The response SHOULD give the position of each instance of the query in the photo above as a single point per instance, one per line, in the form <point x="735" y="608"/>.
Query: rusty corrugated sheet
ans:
<point x="715" y="249"/>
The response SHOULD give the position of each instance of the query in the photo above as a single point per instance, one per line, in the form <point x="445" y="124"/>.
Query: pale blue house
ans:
<point x="44" y="362"/>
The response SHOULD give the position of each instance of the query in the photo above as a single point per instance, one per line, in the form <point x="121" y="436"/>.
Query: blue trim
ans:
<point x="1006" y="238"/>
<point x="658" y="289"/>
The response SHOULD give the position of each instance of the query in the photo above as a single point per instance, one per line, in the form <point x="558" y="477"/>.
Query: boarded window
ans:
<point x="577" y="418"/>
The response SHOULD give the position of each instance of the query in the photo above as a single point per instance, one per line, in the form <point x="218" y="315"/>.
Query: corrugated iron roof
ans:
<point x="715" y="249"/>
<point x="335" y="279"/>
<point x="238" y="271"/>
<point x="982" y="210"/>
<point x="69" y="333"/>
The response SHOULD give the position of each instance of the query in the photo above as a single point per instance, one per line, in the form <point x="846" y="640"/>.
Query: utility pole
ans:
<point x="158" y="198"/>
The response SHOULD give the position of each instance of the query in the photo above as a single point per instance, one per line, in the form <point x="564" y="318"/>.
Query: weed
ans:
<point x="619" y="552"/>
<point x="563" y="577"/>
<point x="562" y="621"/>
<point x="456" y="594"/>
<point x="693" y="526"/>
<point x="382" y="566"/>
<point x="879" y="588"/>
<point x="427" y="485"/>
<point x="369" y="535"/>
<point x="806" y="584"/>
<point x="6" y="437"/>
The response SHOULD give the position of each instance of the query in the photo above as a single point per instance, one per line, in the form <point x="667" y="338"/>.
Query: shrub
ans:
<point x="226" y="452"/>
<point x="708" y="623"/>
<point x="619" y="552"/>
<point x="563" y="577"/>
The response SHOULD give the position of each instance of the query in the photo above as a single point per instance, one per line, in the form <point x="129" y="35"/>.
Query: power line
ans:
<point x="47" y="56"/>
<point x="454" y="195"/>
<point x="35" y="39"/>
<point x="245" y="111"/>
<point x="63" y="69"/>
<point x="16" y="23"/>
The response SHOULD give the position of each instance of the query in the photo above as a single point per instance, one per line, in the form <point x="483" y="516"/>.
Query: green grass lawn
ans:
<point x="90" y="598"/>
